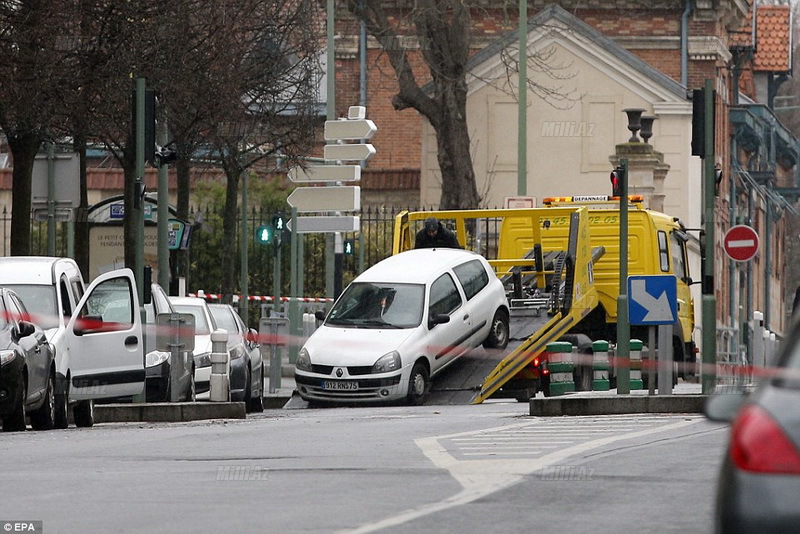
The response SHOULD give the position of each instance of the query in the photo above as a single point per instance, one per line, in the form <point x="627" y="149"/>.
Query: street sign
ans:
<point x="351" y="152"/>
<point x="326" y="173"/>
<point x="336" y="198"/>
<point x="325" y="224"/>
<point x="653" y="299"/>
<point x="741" y="243"/>
<point x="349" y="129"/>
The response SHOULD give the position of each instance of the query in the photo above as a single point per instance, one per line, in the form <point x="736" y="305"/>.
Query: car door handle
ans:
<point x="466" y="316"/>
<point x="131" y="341"/>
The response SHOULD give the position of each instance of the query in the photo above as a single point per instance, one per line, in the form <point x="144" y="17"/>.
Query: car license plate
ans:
<point x="336" y="385"/>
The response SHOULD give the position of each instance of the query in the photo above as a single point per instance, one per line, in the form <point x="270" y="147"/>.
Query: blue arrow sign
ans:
<point x="653" y="299"/>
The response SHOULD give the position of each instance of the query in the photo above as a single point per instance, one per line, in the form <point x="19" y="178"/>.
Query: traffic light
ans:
<point x="617" y="176"/>
<point x="279" y="222"/>
<point x="264" y="234"/>
<point x="349" y="246"/>
<point x="698" y="123"/>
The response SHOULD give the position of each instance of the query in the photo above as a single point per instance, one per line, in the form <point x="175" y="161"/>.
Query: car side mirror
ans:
<point x="320" y="315"/>
<point x="439" y="318"/>
<point x="24" y="329"/>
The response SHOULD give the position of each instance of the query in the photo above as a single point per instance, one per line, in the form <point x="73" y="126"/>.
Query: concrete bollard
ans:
<point x="636" y="363"/>
<point x="560" y="366"/>
<point x="600" y="366"/>
<point x="220" y="380"/>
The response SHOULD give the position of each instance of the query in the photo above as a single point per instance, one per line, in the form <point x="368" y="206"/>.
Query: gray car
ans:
<point x="760" y="475"/>
<point x="247" y="368"/>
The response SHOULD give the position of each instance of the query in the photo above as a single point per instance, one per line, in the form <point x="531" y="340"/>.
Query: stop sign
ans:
<point x="741" y="243"/>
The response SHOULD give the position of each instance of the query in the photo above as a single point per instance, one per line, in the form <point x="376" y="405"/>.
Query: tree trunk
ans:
<point x="455" y="163"/>
<point x="24" y="148"/>
<point x="230" y="223"/>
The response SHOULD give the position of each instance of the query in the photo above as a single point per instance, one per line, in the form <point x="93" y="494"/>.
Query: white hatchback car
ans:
<point x="399" y="324"/>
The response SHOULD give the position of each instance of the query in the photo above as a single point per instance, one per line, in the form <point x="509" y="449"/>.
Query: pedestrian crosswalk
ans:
<point x="540" y="436"/>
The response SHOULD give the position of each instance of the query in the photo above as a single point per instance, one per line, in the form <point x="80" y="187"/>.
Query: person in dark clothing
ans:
<point x="434" y="234"/>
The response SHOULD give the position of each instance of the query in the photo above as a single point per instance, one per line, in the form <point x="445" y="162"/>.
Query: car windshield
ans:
<point x="379" y="305"/>
<point x="40" y="300"/>
<point x="201" y="326"/>
<point x="224" y="319"/>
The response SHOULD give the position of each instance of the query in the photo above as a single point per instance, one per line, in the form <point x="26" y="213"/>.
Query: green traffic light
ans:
<point x="264" y="234"/>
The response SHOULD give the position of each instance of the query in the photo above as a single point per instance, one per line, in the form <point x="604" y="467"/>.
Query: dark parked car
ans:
<point x="27" y="369"/>
<point x="247" y="368"/>
<point x="759" y="480"/>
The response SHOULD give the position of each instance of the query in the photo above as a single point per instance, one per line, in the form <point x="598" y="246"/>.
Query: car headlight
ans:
<point x="303" y="361"/>
<point x="7" y="356"/>
<point x="388" y="363"/>
<point x="202" y="360"/>
<point x="156" y="357"/>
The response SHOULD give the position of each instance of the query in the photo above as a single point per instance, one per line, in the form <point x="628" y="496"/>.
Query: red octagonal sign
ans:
<point x="741" y="243"/>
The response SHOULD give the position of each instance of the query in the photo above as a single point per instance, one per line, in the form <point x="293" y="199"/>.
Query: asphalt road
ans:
<point x="484" y="468"/>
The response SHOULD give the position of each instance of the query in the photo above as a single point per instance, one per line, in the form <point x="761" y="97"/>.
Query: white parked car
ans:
<point x="399" y="324"/>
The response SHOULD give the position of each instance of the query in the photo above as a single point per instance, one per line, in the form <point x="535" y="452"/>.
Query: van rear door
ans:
<point x="105" y="339"/>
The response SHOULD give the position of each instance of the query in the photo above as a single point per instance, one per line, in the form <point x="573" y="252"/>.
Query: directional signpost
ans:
<point x="335" y="198"/>
<point x="654" y="302"/>
<point x="741" y="243"/>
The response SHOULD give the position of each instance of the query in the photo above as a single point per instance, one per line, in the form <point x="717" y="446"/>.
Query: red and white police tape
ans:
<point x="260" y="298"/>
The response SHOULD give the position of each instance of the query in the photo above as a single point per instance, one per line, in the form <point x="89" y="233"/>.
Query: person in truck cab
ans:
<point x="434" y="235"/>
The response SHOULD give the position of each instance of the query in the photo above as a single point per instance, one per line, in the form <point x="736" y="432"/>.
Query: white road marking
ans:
<point x="482" y="477"/>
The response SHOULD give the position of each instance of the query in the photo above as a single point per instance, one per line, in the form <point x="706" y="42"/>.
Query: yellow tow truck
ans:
<point x="560" y="266"/>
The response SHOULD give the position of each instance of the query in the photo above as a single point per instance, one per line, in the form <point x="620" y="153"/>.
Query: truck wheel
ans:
<point x="418" y="385"/>
<point x="15" y="422"/>
<point x="44" y="417"/>
<point x="83" y="412"/>
<point x="498" y="332"/>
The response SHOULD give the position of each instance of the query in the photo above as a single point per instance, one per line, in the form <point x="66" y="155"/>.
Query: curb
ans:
<point x="167" y="412"/>
<point x="622" y="404"/>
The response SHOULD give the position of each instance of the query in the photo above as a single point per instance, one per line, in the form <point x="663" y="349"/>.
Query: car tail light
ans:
<point x="760" y="445"/>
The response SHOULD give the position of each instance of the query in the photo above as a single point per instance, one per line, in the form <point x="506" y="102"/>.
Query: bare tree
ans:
<point x="30" y="91"/>
<point x="443" y="28"/>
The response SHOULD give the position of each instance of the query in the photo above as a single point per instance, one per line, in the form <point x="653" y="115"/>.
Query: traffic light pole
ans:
<point x="709" y="301"/>
<point x="622" y="354"/>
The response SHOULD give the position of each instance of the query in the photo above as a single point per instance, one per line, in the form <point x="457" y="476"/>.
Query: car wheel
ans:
<point x="256" y="404"/>
<point x="15" y="422"/>
<point x="61" y="408"/>
<point x="83" y="412"/>
<point x="191" y="395"/>
<point x="248" y="388"/>
<point x="418" y="384"/>
<point x="44" y="417"/>
<point x="498" y="332"/>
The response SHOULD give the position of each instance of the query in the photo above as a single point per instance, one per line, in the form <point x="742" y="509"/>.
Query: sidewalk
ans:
<point x="686" y="397"/>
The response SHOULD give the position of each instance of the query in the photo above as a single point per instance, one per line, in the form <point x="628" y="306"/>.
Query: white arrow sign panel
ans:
<point x="351" y="152"/>
<point x="323" y="224"/>
<point x="349" y="129"/>
<point x="658" y="308"/>
<point x="337" y="198"/>
<point x="326" y="173"/>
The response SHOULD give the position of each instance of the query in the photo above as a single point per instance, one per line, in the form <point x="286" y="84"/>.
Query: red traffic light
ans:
<point x="617" y="176"/>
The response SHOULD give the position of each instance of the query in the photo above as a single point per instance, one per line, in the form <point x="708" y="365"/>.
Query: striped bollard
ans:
<point x="560" y="366"/>
<point x="636" y="364"/>
<point x="600" y="366"/>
